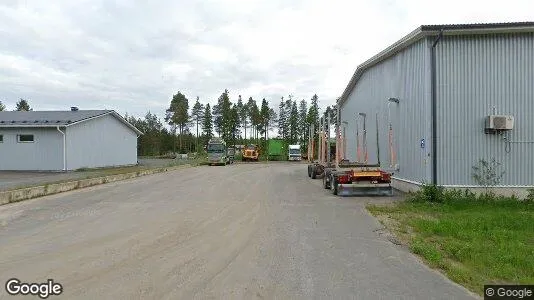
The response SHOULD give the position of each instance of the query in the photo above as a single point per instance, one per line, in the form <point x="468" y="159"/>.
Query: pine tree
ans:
<point x="196" y="115"/>
<point x="281" y="118"/>
<point x="23" y="105"/>
<point x="226" y="111"/>
<point x="234" y="123"/>
<point x="207" y="122"/>
<point x="253" y="111"/>
<point x="264" y="117"/>
<point x="303" y="124"/>
<point x="177" y="114"/>
<point x="241" y="112"/>
<point x="294" y="122"/>
<point x="272" y="120"/>
<point x="287" y="124"/>
<point x="313" y="113"/>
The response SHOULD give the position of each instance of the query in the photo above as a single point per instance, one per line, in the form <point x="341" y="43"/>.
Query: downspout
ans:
<point x="328" y="139"/>
<point x="137" y="149"/>
<point x="434" y="109"/>
<point x="64" y="148"/>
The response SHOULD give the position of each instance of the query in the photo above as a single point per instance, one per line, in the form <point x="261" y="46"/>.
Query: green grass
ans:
<point x="475" y="240"/>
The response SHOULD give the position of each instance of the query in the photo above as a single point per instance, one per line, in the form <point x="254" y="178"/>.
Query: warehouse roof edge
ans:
<point x="432" y="30"/>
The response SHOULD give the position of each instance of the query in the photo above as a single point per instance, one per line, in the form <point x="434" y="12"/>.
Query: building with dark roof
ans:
<point x="66" y="140"/>
<point x="453" y="94"/>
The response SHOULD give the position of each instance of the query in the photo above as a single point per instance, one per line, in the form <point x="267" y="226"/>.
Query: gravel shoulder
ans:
<point x="17" y="179"/>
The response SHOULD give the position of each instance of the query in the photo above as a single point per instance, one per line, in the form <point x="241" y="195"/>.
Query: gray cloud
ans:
<point x="132" y="56"/>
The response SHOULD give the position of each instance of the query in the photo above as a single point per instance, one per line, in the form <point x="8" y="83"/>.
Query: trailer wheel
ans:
<point x="309" y="171"/>
<point x="334" y="184"/>
<point x="313" y="174"/>
<point x="328" y="181"/>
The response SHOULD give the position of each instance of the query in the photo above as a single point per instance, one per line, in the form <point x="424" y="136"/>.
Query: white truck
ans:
<point x="294" y="153"/>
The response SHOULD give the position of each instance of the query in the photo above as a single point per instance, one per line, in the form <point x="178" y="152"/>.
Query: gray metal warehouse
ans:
<point x="453" y="94"/>
<point x="66" y="140"/>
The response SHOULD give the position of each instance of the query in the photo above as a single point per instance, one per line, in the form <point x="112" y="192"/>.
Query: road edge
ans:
<point x="22" y="194"/>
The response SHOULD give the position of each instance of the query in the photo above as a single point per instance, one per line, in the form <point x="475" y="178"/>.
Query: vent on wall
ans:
<point x="497" y="123"/>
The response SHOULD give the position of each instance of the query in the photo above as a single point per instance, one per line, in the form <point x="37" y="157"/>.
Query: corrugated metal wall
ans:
<point x="475" y="74"/>
<point x="44" y="154"/>
<point x="405" y="76"/>
<point x="100" y="142"/>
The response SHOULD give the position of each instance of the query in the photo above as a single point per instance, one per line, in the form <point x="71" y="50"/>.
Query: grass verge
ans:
<point x="474" y="240"/>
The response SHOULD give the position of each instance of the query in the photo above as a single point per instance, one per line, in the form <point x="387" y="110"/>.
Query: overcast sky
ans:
<point x="132" y="55"/>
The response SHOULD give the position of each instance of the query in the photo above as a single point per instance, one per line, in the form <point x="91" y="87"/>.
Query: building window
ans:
<point x="25" y="138"/>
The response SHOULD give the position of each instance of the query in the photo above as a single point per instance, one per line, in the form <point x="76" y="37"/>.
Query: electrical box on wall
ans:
<point x="497" y="123"/>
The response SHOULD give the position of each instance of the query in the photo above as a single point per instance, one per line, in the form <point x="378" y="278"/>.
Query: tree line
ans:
<point x="21" y="105"/>
<point x="239" y="122"/>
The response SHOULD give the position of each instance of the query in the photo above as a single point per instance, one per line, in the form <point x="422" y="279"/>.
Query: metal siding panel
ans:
<point x="404" y="76"/>
<point x="44" y="154"/>
<point x="475" y="74"/>
<point x="101" y="142"/>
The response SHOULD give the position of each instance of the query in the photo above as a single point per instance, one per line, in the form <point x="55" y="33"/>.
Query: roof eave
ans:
<point x="403" y="43"/>
<point x="430" y="30"/>
<point x="123" y="120"/>
<point x="33" y="125"/>
<point x="116" y="115"/>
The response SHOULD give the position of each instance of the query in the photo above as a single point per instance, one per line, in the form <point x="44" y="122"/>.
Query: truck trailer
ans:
<point x="358" y="178"/>
<point x="316" y="168"/>
<point x="276" y="149"/>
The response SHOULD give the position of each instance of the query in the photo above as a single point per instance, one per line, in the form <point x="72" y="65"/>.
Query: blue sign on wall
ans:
<point x="422" y="143"/>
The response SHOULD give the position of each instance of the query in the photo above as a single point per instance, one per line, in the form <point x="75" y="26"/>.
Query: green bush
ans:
<point x="438" y="194"/>
<point x="530" y="196"/>
<point x="429" y="193"/>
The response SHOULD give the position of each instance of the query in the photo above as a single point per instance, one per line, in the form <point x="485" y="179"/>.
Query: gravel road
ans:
<point x="244" y="231"/>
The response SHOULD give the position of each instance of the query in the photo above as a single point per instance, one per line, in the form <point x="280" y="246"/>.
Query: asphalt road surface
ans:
<point x="244" y="231"/>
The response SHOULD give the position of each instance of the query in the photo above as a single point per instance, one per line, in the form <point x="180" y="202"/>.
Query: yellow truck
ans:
<point x="250" y="153"/>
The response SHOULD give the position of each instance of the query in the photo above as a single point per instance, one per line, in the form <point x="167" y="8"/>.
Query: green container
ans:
<point x="277" y="149"/>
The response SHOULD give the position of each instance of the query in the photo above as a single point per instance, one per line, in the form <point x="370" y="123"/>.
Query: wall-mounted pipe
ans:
<point x="328" y="158"/>
<point x="321" y="141"/>
<point x="433" y="86"/>
<point x="64" y="148"/>
<point x="377" y="142"/>
<point x="392" y="153"/>
<point x="364" y="142"/>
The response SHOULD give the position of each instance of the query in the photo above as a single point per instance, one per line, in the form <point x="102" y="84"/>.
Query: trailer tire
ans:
<point x="309" y="171"/>
<point x="313" y="174"/>
<point x="334" y="184"/>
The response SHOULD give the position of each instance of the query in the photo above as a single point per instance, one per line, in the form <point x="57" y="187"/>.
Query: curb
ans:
<point x="22" y="194"/>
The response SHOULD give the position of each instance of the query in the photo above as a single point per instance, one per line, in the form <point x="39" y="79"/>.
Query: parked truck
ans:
<point x="294" y="153"/>
<point x="231" y="154"/>
<point x="358" y="178"/>
<point x="251" y="153"/>
<point x="276" y="149"/>
<point x="217" y="152"/>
